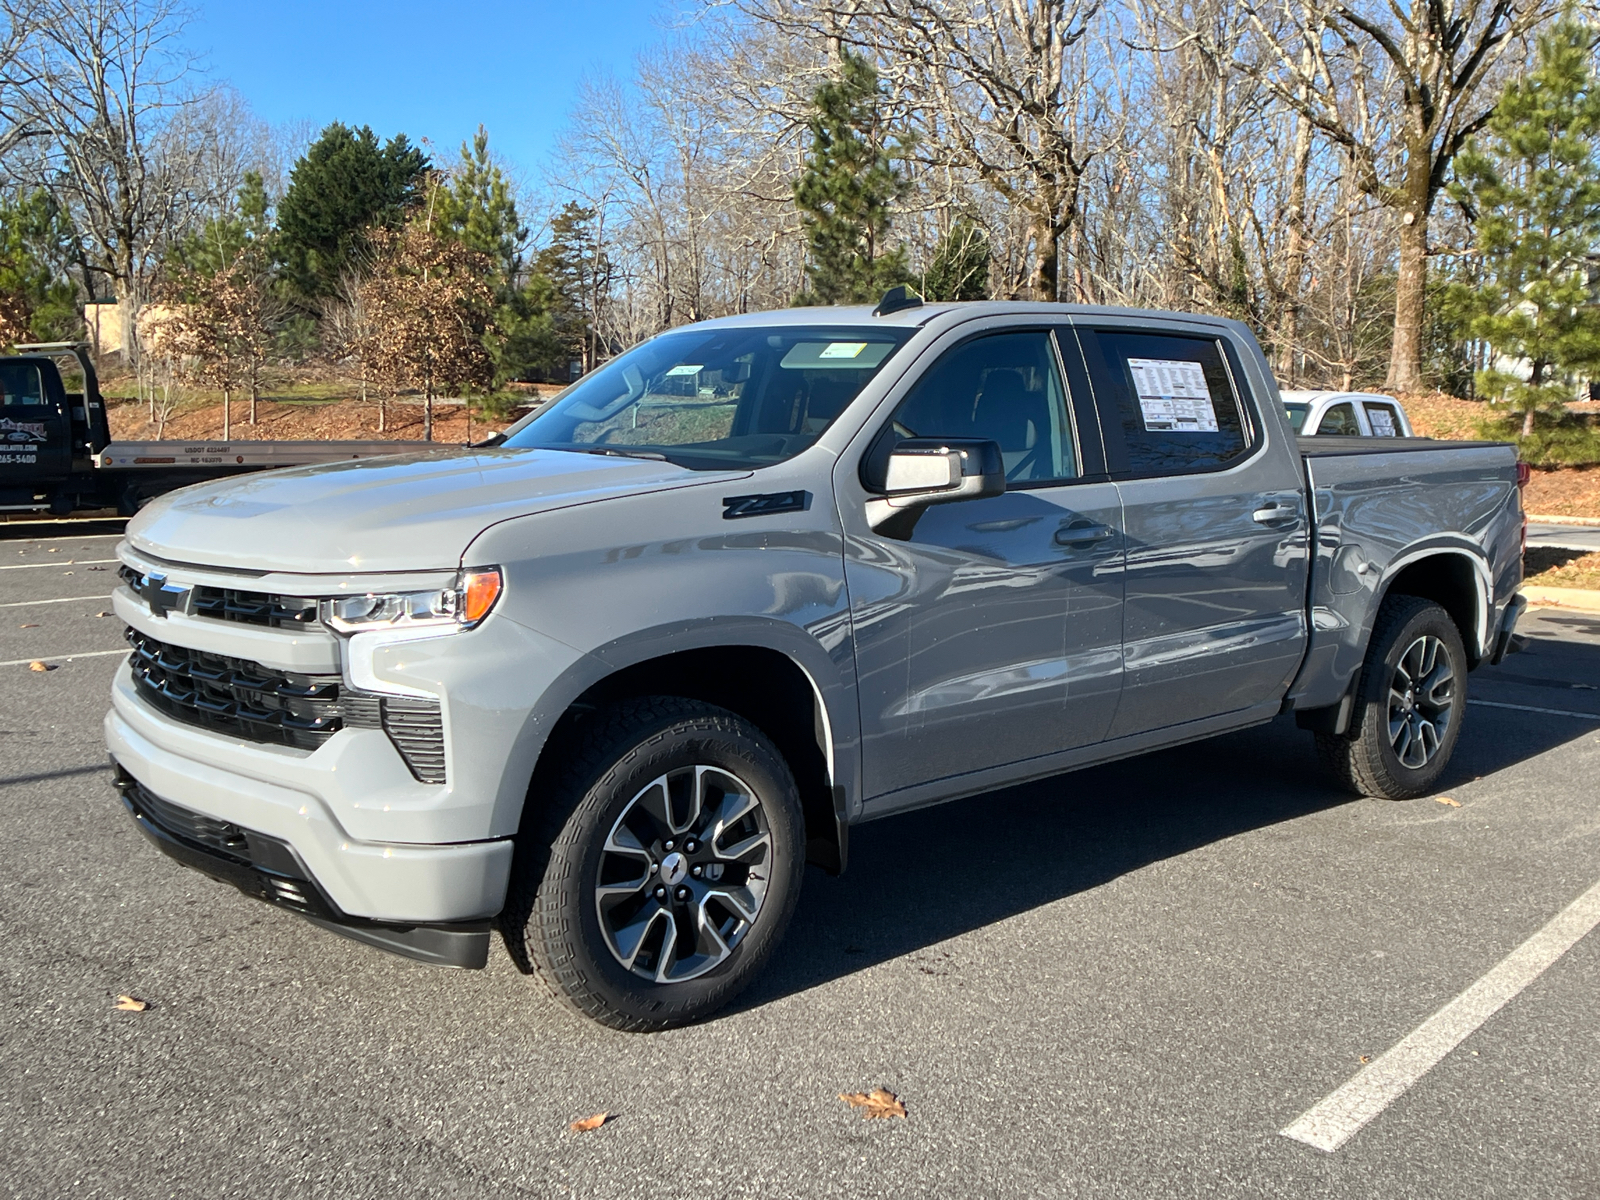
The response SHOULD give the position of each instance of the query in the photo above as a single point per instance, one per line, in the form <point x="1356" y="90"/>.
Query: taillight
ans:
<point x="1524" y="474"/>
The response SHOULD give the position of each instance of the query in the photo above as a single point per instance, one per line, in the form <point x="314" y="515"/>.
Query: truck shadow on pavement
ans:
<point x="920" y="878"/>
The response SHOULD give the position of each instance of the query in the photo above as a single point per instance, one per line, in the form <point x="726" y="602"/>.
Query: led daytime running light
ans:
<point x="461" y="606"/>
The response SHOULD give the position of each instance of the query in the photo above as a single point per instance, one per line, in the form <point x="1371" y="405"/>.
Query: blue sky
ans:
<point x="433" y="70"/>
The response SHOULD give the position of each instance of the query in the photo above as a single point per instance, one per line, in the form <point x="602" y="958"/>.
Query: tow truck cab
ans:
<point x="48" y="435"/>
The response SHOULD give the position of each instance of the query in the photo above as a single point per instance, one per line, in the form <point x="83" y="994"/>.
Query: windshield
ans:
<point x="1297" y="415"/>
<point x="714" y="399"/>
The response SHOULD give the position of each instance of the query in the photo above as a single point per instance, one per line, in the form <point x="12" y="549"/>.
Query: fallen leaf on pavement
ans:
<point x="130" y="1004"/>
<point x="1366" y="1058"/>
<point x="879" y="1102"/>
<point x="102" y="614"/>
<point x="32" y="625"/>
<point x="588" y="1123"/>
<point x="36" y="665"/>
<point x="1447" y="800"/>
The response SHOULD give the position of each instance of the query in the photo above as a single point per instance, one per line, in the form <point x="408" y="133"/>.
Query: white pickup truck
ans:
<point x="1346" y="414"/>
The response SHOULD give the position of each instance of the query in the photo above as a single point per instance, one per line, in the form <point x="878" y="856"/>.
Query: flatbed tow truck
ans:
<point x="56" y="451"/>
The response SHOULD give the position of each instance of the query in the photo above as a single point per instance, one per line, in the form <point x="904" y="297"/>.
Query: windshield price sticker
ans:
<point x="687" y="369"/>
<point x="1173" y="396"/>
<point x="842" y="350"/>
<point x="1382" y="422"/>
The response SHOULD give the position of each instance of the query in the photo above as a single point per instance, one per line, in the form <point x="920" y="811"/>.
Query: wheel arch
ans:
<point x="1452" y="577"/>
<point x="798" y="704"/>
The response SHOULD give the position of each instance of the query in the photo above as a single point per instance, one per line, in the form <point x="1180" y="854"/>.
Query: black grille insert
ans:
<point x="267" y="609"/>
<point x="245" y="699"/>
<point x="235" y="696"/>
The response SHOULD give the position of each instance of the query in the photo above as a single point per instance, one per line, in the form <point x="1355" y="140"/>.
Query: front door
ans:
<point x="1214" y="620"/>
<point x="35" y="449"/>
<point x="991" y="635"/>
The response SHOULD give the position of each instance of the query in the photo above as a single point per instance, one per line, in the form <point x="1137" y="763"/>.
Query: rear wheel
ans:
<point x="668" y="866"/>
<point x="1409" y="704"/>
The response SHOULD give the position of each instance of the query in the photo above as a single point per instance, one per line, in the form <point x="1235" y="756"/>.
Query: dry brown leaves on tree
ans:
<point x="588" y="1123"/>
<point x="879" y="1102"/>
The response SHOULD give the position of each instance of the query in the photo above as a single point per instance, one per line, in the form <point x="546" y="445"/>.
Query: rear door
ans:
<point x="992" y="634"/>
<point x="35" y="446"/>
<point x="1215" y="561"/>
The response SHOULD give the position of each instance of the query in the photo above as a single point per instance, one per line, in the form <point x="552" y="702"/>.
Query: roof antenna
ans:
<point x="895" y="299"/>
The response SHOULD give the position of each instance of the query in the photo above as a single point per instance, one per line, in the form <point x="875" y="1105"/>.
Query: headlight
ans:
<point x="459" y="607"/>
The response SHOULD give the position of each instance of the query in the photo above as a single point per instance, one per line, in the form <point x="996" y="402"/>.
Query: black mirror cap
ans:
<point x="896" y="299"/>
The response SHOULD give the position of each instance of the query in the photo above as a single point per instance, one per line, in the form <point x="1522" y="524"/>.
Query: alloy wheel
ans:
<point x="1422" y="698"/>
<point x="683" y="873"/>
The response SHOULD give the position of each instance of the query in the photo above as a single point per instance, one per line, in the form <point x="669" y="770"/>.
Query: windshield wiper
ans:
<point x="614" y="451"/>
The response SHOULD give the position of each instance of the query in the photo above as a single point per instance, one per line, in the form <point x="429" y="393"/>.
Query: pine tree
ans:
<point x="36" y="240"/>
<point x="959" y="269"/>
<point x="344" y="184"/>
<point x="1531" y="188"/>
<point x="851" y="180"/>
<point x="476" y="207"/>
<point x="577" y="276"/>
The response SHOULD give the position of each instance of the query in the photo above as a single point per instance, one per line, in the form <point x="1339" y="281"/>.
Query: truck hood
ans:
<point x="411" y="512"/>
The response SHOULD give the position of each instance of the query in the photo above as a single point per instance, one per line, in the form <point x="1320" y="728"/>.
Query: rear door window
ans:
<point x="20" y="384"/>
<point x="1383" y="418"/>
<point x="1340" y="421"/>
<point x="1172" y="398"/>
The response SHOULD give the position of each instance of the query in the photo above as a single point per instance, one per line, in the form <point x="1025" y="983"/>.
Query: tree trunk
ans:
<point x="255" y="387"/>
<point x="227" y="414"/>
<point x="1045" y="279"/>
<point x="1295" y="255"/>
<point x="427" y="415"/>
<point x="1410" y="302"/>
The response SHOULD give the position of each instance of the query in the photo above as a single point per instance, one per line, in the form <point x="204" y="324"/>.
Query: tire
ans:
<point x="1409" y="704"/>
<point x="599" y="936"/>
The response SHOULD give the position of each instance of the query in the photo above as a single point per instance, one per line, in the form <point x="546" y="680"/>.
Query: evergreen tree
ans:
<point x="36" y="242"/>
<point x="959" y="269"/>
<point x="577" y="274"/>
<point x="1531" y="188"/>
<point x="477" y="209"/>
<point x="344" y="184"/>
<point x="851" y="179"/>
<point x="220" y="241"/>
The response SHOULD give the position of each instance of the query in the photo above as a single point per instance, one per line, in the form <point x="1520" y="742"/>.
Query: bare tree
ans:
<point x="1399" y="86"/>
<point x="102" y="82"/>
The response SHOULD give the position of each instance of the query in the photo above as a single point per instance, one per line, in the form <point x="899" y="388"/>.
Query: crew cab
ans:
<point x="1346" y="414"/>
<point x="606" y="685"/>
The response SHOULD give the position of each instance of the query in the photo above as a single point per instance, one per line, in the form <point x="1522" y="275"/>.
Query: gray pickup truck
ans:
<point x="607" y="685"/>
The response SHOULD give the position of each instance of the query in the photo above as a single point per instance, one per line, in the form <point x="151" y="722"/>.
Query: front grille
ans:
<point x="207" y="831"/>
<point x="235" y="696"/>
<point x="245" y="699"/>
<point x="267" y="609"/>
<point x="253" y="608"/>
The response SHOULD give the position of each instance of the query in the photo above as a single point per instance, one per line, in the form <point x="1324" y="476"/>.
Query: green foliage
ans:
<point x="959" y="269"/>
<point x="36" y="241"/>
<point x="476" y="208"/>
<point x="570" y="275"/>
<point x="218" y="243"/>
<point x="1532" y="190"/>
<point x="851" y="179"/>
<point x="342" y="185"/>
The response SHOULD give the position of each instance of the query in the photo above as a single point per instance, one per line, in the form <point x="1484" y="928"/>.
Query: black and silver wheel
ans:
<point x="673" y="871"/>
<point x="1409" y="704"/>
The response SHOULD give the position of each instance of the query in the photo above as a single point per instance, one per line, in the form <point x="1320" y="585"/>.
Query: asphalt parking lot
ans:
<point x="1125" y="982"/>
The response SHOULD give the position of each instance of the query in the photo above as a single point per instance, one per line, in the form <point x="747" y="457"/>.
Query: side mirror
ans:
<point x="920" y="472"/>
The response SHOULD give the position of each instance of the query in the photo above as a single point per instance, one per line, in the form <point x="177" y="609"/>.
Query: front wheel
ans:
<point x="1409" y="704"/>
<point x="675" y="849"/>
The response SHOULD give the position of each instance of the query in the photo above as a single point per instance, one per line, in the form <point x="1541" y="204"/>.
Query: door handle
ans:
<point x="1274" y="513"/>
<point x="1081" y="536"/>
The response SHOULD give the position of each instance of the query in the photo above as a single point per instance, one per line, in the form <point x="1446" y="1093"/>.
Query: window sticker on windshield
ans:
<point x="843" y="350"/>
<point x="1173" y="396"/>
<point x="687" y="369"/>
<point x="1382" y="421"/>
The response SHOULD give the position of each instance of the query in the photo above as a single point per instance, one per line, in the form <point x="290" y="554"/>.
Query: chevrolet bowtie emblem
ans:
<point x="161" y="596"/>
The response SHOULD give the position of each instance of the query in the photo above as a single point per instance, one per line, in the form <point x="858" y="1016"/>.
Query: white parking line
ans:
<point x="82" y="562"/>
<point x="1553" y="712"/>
<point x="1337" y="1119"/>
<point x="63" y="600"/>
<point x="50" y="658"/>
<point x="81" y="537"/>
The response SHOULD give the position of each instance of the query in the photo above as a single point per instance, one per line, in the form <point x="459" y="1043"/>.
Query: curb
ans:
<point x="1540" y="519"/>
<point x="1585" y="599"/>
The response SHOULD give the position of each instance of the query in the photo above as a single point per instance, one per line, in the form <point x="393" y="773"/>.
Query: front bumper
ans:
<point x="270" y="870"/>
<point x="375" y="880"/>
